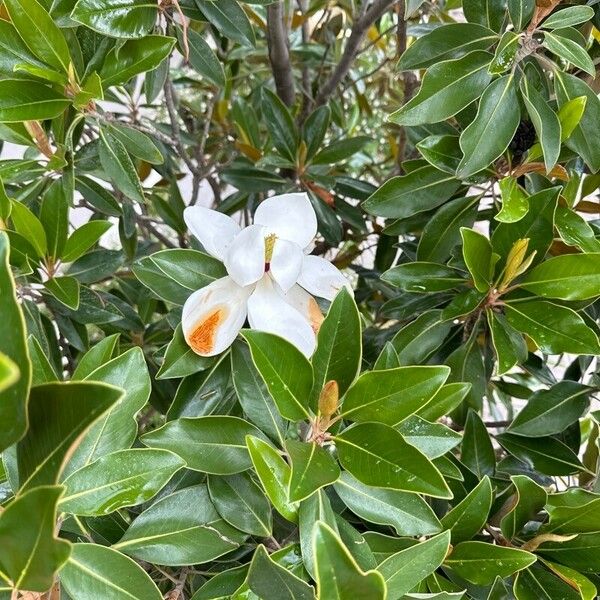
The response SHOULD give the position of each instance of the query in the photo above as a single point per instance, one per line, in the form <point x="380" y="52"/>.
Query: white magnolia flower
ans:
<point x="270" y="278"/>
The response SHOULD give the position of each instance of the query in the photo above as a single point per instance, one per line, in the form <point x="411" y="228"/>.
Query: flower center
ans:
<point x="269" y="247"/>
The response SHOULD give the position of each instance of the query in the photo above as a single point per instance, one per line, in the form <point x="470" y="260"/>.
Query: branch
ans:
<point x="359" y="29"/>
<point x="279" y="53"/>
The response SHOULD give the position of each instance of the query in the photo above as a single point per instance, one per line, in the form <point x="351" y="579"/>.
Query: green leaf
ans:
<point x="403" y="570"/>
<point x="528" y="500"/>
<point x="203" y="58"/>
<point x="547" y="454"/>
<point x="315" y="128"/>
<point x="214" y="444"/>
<point x="340" y="150"/>
<point x="241" y="503"/>
<point x="117" y="164"/>
<point x="174" y="275"/>
<point x="489" y="134"/>
<point x="451" y="40"/>
<point x="468" y="517"/>
<point x="555" y="329"/>
<point x="569" y="50"/>
<point x="117" y="18"/>
<point x="568" y="17"/>
<point x="39" y="32"/>
<point x="432" y="439"/>
<point x="95" y="571"/>
<point x="339" y="345"/>
<point x="280" y="124"/>
<point x="506" y="52"/>
<point x="393" y="395"/>
<point x="413" y="193"/>
<point x="271" y="581"/>
<point x="448" y="397"/>
<point x="480" y="563"/>
<point x="180" y="360"/>
<point x="566" y="277"/>
<point x="446" y="89"/>
<point x="537" y="583"/>
<point x="574" y="230"/>
<point x="137" y="143"/>
<point x="134" y="57"/>
<point x="83" y="238"/>
<point x="229" y="19"/>
<point x="580" y="553"/>
<point x="65" y="290"/>
<point x="59" y="414"/>
<point x="479" y="258"/>
<point x="13" y="346"/>
<point x="96" y="356"/>
<point x="337" y="573"/>
<point x="582" y="141"/>
<point x="442" y="231"/>
<point x="477" y="450"/>
<point x="118" y="428"/>
<point x="274" y="474"/>
<point x="490" y="13"/>
<point x="29" y="226"/>
<point x="313" y="467"/>
<point x="180" y="529"/>
<point x="441" y="151"/>
<point x="286" y="372"/>
<point x="551" y="411"/>
<point x="9" y="372"/>
<point x="423" y="277"/>
<point x="515" y="203"/>
<point x="520" y="12"/>
<point x="32" y="554"/>
<point x="408" y="513"/>
<point x="123" y="478"/>
<point x="253" y="395"/>
<point x="378" y="455"/>
<point x="508" y="343"/>
<point x="54" y="216"/>
<point x="545" y="121"/>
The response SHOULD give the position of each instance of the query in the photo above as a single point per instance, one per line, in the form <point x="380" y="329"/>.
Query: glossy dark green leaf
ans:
<point x="337" y="573"/>
<point x="59" y="414"/>
<point x="65" y="289"/>
<point x="271" y="581"/>
<point x="551" y="411"/>
<point x="405" y="569"/>
<point x="423" y="277"/>
<point x="180" y="360"/>
<point x="491" y="13"/>
<point x="509" y="344"/>
<point x="286" y="372"/>
<point x="441" y="151"/>
<point x="481" y="563"/>
<point x="410" y="194"/>
<point x="468" y="517"/>
<point x="340" y="150"/>
<point x="13" y="345"/>
<point x="120" y="18"/>
<point x="32" y="554"/>
<point x="175" y="274"/>
<point x="569" y="50"/>
<point x="393" y="395"/>
<point x="490" y="133"/>
<point x="229" y="19"/>
<point x="432" y="439"/>
<point x="555" y="329"/>
<point x="506" y="52"/>
<point x="408" y="513"/>
<point x="313" y="467"/>
<point x="477" y="450"/>
<point x="180" y="529"/>
<point x="123" y="478"/>
<point x="83" y="238"/>
<point x="138" y="144"/>
<point x="520" y="12"/>
<point x="378" y="455"/>
<point x="568" y="17"/>
<point x="40" y="33"/>
<point x="241" y="502"/>
<point x="94" y="571"/>
<point x="214" y="444"/>
<point x="29" y="226"/>
<point x="339" y="345"/>
<point x="537" y="583"/>
<point x="528" y="499"/>
<point x="280" y="124"/>
<point x="315" y="128"/>
<point x="203" y="58"/>
<point x="446" y="89"/>
<point x="447" y="398"/>
<point x="274" y="474"/>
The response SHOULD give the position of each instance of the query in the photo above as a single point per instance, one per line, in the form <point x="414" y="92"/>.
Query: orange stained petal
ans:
<point x="315" y="315"/>
<point x="202" y="337"/>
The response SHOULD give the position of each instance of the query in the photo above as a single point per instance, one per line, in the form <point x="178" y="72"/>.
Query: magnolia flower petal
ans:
<point x="290" y="216"/>
<point x="286" y="263"/>
<point x="306" y="305"/>
<point x="319" y="277"/>
<point x="213" y="316"/>
<point x="268" y="311"/>
<point x="214" y="230"/>
<point x="245" y="259"/>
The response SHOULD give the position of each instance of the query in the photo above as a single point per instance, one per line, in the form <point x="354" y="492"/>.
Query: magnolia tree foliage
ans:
<point x="401" y="407"/>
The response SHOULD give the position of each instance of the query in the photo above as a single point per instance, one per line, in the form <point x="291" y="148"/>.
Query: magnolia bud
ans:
<point x="329" y="399"/>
